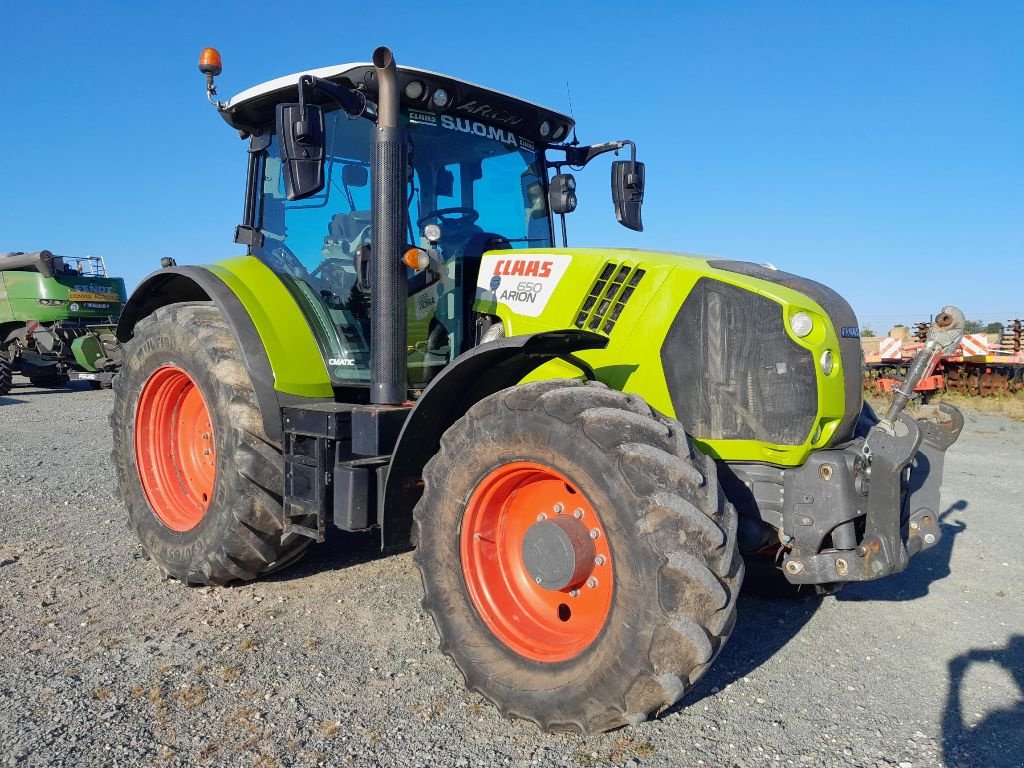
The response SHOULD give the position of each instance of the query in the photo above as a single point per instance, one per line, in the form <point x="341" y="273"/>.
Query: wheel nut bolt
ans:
<point x="574" y="593"/>
<point x="539" y="580"/>
<point x="578" y="514"/>
<point x="599" y="560"/>
<point x="541" y="516"/>
<point x="591" y="582"/>
<point x="595" y="533"/>
<point x="559" y="508"/>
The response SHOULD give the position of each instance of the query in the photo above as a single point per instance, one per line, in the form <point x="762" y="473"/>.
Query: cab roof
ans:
<point x="253" y="109"/>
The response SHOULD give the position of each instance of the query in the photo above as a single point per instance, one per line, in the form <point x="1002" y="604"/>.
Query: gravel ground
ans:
<point x="334" y="663"/>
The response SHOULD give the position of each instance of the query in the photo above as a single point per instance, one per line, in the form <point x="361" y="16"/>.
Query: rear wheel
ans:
<point x="577" y="555"/>
<point x="200" y="478"/>
<point x="6" y="371"/>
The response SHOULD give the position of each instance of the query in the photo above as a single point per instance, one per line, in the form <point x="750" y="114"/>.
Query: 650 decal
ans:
<point x="502" y="281"/>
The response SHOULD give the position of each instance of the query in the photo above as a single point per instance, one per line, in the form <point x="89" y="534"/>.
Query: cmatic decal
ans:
<point x="522" y="283"/>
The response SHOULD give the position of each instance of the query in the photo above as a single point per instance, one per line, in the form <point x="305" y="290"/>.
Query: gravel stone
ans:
<point x="332" y="662"/>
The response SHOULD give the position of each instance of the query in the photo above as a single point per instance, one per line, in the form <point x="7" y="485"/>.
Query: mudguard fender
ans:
<point x="174" y="284"/>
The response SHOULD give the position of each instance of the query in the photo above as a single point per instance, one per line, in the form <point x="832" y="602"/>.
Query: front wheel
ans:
<point x="577" y="555"/>
<point x="198" y="475"/>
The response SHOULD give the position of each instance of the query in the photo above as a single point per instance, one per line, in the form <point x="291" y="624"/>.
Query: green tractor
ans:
<point x="584" y="445"/>
<point x="58" y="319"/>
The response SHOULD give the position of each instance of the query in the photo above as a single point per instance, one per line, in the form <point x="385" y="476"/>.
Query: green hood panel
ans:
<point x="599" y="289"/>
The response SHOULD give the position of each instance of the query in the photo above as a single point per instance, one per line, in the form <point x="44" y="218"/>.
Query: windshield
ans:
<point x="477" y="182"/>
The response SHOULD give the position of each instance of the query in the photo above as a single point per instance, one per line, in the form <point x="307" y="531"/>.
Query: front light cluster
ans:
<point x="801" y="324"/>
<point x="52" y="302"/>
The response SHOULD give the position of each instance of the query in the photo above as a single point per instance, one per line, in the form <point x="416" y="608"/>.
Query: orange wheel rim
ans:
<point x="523" y="501"/>
<point x="175" y="450"/>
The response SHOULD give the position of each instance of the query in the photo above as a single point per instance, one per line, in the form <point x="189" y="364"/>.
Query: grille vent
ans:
<point x="608" y="296"/>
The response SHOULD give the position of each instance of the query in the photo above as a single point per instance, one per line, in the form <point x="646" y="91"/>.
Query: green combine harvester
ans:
<point x="57" y="320"/>
<point x="585" y="445"/>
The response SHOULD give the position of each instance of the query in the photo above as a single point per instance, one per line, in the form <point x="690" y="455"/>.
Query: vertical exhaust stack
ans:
<point x="387" y="271"/>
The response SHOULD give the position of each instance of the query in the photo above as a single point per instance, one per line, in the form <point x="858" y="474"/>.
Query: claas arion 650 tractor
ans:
<point x="582" y="444"/>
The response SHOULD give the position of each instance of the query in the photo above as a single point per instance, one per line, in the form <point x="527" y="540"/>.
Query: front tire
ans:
<point x="200" y="478"/>
<point x="665" y="568"/>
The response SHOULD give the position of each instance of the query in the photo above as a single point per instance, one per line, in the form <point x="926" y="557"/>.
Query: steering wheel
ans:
<point x="466" y="216"/>
<point x="277" y="252"/>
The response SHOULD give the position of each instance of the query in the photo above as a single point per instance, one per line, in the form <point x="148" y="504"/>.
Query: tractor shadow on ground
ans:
<point x="923" y="570"/>
<point x="765" y="625"/>
<point x="341" y="550"/>
<point x="997" y="740"/>
<point x="5" y="400"/>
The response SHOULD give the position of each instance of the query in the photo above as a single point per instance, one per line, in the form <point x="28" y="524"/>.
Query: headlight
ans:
<point x="440" y="97"/>
<point x="801" y="324"/>
<point x="826" y="362"/>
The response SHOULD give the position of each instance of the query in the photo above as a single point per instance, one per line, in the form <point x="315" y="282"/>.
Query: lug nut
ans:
<point x="541" y="516"/>
<point x="578" y="514"/>
<point x="539" y="580"/>
<point x="574" y="593"/>
<point x="599" y="560"/>
<point x="591" y="582"/>
<point x="559" y="508"/>
<point x="595" y="533"/>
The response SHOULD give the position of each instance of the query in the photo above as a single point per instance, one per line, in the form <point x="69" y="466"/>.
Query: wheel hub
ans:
<point x="559" y="553"/>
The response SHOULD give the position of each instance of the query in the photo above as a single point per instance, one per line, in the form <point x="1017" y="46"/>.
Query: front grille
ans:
<point x="607" y="298"/>
<point x="733" y="371"/>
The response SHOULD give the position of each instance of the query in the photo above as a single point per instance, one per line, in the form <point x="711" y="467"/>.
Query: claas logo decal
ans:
<point x="523" y="284"/>
<point x="523" y="267"/>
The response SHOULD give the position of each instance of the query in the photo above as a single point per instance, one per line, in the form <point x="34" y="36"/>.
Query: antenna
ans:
<point x="568" y="93"/>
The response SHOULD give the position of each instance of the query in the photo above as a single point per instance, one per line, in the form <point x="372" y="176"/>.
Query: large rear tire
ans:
<point x="655" y="569"/>
<point x="200" y="478"/>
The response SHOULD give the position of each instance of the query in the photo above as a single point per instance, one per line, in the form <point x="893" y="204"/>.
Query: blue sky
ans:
<point x="875" y="146"/>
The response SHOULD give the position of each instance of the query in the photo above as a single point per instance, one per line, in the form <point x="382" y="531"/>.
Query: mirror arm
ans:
<point x="352" y="102"/>
<point x="580" y="156"/>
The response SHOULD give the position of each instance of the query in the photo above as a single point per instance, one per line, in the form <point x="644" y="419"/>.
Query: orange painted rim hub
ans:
<point x="175" y="450"/>
<point x="548" y="624"/>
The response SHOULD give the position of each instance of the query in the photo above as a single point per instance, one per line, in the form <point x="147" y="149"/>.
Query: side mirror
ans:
<point x="628" y="193"/>
<point x="300" y="137"/>
<point x="562" y="193"/>
<point x="354" y="175"/>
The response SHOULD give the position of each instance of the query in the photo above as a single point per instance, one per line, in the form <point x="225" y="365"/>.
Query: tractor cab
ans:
<point x="476" y="179"/>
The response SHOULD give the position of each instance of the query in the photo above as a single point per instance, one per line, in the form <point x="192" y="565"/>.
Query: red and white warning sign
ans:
<point x="890" y="348"/>
<point x="974" y="344"/>
<point x="522" y="283"/>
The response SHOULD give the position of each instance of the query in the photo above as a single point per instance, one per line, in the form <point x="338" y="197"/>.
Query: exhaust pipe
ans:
<point x="41" y="260"/>
<point x="388" y="337"/>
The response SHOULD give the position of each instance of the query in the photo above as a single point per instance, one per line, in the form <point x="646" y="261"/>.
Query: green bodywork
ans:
<point x="83" y="298"/>
<point x="631" y="362"/>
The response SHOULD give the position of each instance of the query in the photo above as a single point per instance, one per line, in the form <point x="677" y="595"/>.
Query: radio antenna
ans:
<point x="568" y="93"/>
